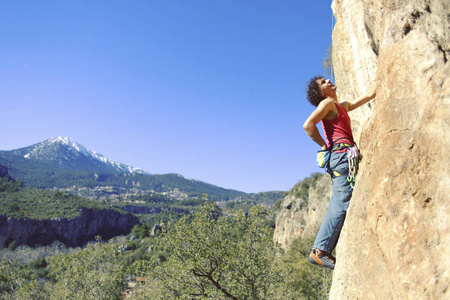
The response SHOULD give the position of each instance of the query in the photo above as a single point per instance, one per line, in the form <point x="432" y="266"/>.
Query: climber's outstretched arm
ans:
<point x="351" y="105"/>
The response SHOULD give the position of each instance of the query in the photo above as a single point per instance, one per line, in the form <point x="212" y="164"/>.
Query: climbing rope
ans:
<point x="332" y="28"/>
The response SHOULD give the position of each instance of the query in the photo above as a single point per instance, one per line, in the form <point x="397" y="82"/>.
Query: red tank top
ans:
<point x="338" y="129"/>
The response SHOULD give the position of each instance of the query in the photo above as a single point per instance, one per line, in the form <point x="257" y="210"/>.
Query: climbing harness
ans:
<point x="353" y="155"/>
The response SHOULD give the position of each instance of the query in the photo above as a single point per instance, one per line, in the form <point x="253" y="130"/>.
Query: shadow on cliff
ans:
<point x="73" y="232"/>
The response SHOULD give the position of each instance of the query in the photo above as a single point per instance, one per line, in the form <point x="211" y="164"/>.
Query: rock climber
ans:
<point x="339" y="155"/>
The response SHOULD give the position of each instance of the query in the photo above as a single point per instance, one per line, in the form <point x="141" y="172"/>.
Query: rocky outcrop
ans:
<point x="394" y="241"/>
<point x="394" y="244"/>
<point x="72" y="232"/>
<point x="156" y="229"/>
<point x="3" y="171"/>
<point x="302" y="210"/>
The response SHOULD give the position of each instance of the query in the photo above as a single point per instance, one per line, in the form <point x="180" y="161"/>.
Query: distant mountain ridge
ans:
<point x="69" y="154"/>
<point x="63" y="164"/>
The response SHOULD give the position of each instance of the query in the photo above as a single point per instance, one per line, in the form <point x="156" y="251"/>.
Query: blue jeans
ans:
<point x="330" y="229"/>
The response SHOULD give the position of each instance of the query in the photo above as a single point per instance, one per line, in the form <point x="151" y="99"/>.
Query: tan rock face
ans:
<point x="394" y="244"/>
<point x="354" y="57"/>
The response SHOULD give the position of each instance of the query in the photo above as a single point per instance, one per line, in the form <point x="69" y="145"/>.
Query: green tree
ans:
<point x="10" y="280"/>
<point x="141" y="231"/>
<point x="9" y="185"/>
<point x="217" y="257"/>
<point x="91" y="273"/>
<point x="14" y="283"/>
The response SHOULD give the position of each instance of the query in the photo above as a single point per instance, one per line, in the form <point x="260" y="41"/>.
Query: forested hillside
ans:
<point x="207" y="255"/>
<point x="44" y="174"/>
<point x="96" y="245"/>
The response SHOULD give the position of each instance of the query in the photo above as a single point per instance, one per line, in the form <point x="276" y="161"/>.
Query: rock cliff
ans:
<point x="394" y="244"/>
<point x="302" y="210"/>
<point x="72" y="232"/>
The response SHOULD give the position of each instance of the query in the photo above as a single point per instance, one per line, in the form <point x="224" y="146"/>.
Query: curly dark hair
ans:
<point x="313" y="92"/>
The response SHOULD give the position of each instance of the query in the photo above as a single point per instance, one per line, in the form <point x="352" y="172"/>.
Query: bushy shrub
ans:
<point x="301" y="279"/>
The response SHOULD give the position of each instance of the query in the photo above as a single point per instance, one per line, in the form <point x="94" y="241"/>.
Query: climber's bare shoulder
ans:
<point x="345" y="105"/>
<point x="327" y="109"/>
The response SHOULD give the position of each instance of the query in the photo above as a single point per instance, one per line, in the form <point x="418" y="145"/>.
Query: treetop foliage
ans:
<point x="206" y="256"/>
<point x="213" y="256"/>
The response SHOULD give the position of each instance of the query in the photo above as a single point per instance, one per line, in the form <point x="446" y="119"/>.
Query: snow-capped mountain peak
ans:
<point x="69" y="142"/>
<point x="66" y="151"/>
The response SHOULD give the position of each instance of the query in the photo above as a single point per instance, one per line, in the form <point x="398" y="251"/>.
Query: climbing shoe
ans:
<point x="322" y="258"/>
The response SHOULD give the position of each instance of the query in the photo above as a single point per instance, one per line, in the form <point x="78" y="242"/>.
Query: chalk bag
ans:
<point x="323" y="158"/>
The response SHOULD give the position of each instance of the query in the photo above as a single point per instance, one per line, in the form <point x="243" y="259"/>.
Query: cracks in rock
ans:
<point x="289" y="206"/>
<point x="443" y="53"/>
<point x="406" y="29"/>
<point x="411" y="21"/>
<point x="373" y="45"/>
<point x="415" y="15"/>
<point x="398" y="130"/>
<point x="427" y="202"/>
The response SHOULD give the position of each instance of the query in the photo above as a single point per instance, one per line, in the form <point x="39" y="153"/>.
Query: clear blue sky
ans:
<point x="212" y="90"/>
